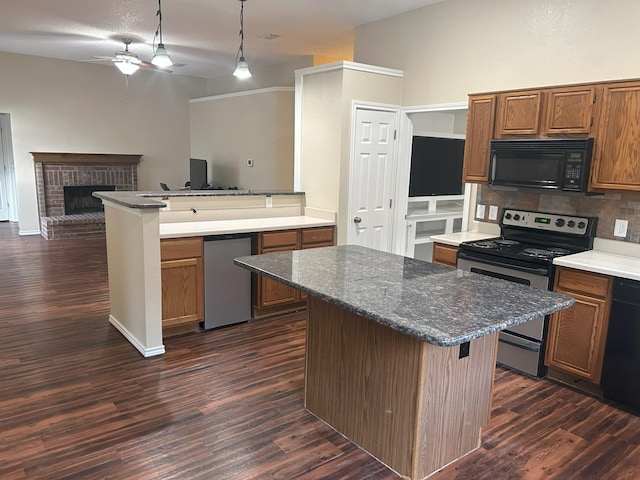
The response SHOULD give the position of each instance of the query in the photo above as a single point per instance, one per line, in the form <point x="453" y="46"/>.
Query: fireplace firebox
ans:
<point x="78" y="199"/>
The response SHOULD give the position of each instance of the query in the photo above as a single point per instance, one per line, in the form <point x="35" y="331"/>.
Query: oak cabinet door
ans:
<point x="519" y="113"/>
<point x="182" y="280"/>
<point x="477" y="146"/>
<point x="577" y="335"/>
<point x="570" y="110"/>
<point x="616" y="159"/>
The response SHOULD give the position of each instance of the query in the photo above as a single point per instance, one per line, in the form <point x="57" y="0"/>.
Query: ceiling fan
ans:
<point x="128" y="62"/>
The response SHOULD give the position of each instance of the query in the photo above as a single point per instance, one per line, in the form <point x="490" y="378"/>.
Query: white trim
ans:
<point x="297" y="131"/>
<point x="7" y="145"/>
<point x="29" y="232"/>
<point x="345" y="65"/>
<point x="146" y="352"/>
<point x="242" y="94"/>
<point x="458" y="136"/>
<point x="439" y="107"/>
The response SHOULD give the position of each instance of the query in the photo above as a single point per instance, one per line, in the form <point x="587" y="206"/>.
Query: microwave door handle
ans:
<point x="492" y="174"/>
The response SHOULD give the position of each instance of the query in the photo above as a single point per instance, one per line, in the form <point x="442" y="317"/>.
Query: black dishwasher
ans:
<point x="621" y="369"/>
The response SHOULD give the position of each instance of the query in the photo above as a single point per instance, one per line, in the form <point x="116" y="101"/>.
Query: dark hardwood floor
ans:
<point x="78" y="401"/>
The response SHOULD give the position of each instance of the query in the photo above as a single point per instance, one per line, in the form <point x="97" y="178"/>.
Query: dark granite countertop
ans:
<point x="154" y="199"/>
<point x="439" y="305"/>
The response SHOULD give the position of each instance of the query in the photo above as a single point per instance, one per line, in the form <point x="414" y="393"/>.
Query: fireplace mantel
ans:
<point x="52" y="158"/>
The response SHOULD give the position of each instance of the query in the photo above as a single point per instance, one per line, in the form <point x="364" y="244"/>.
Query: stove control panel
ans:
<point x="545" y="221"/>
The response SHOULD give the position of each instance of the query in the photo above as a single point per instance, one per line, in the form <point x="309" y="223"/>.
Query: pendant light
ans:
<point x="160" y="56"/>
<point x="242" y="68"/>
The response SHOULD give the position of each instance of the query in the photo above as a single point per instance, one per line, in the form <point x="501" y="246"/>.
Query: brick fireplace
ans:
<point x="55" y="171"/>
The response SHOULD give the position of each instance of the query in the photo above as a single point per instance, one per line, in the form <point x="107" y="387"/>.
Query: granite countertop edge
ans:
<point x="153" y="199"/>
<point x="448" y="341"/>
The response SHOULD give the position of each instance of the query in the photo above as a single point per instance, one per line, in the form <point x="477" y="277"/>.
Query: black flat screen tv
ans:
<point x="198" y="174"/>
<point x="436" y="166"/>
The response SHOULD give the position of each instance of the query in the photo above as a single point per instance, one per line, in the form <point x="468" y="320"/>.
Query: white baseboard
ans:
<point x="146" y="352"/>
<point x="29" y="232"/>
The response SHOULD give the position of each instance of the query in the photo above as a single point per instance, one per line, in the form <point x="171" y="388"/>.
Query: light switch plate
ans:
<point x="493" y="212"/>
<point x="480" y="212"/>
<point x="620" y="230"/>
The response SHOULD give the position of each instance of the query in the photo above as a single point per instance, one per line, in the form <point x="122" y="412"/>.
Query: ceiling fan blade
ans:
<point x="102" y="57"/>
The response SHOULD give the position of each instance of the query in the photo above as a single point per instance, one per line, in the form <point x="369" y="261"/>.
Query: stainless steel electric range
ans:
<point x="524" y="253"/>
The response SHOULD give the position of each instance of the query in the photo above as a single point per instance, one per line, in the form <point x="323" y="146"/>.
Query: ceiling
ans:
<point x="201" y="34"/>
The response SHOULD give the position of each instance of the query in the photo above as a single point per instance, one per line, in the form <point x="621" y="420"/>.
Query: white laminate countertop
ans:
<point x="603" y="262"/>
<point x="247" y="225"/>
<point x="457" y="238"/>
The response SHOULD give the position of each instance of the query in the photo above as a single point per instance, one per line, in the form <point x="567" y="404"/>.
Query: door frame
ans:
<point x="379" y="107"/>
<point x="9" y="165"/>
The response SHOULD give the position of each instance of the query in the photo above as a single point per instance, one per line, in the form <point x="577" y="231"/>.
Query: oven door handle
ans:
<point x="533" y="270"/>
<point x="516" y="342"/>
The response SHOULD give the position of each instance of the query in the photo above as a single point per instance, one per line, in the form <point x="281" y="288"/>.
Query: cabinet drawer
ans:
<point x="177" y="248"/>
<point x="592" y="284"/>
<point x="317" y="235"/>
<point x="288" y="238"/>
<point x="445" y="254"/>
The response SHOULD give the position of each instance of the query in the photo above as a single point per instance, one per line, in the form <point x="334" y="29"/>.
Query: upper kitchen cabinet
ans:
<point x="616" y="160"/>
<point x="477" y="147"/>
<point x="570" y="110"/>
<point x="519" y="113"/>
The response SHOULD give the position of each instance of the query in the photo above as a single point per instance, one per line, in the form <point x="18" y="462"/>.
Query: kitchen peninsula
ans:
<point x="137" y="222"/>
<point x="400" y="353"/>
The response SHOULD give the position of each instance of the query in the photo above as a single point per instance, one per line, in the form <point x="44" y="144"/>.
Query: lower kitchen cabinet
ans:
<point x="182" y="270"/>
<point x="271" y="297"/>
<point x="577" y="335"/>
<point x="445" y="254"/>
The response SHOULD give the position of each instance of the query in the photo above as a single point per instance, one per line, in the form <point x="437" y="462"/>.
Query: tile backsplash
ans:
<point x="607" y="207"/>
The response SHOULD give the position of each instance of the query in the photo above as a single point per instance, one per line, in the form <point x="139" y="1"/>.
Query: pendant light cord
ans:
<point x="241" y="49"/>
<point x="159" y="29"/>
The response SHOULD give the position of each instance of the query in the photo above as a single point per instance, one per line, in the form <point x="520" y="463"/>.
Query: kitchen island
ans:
<point x="400" y="353"/>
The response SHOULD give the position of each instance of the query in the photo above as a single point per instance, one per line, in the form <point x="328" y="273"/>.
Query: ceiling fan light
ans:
<point x="127" y="67"/>
<point x="242" y="69"/>
<point x="161" y="57"/>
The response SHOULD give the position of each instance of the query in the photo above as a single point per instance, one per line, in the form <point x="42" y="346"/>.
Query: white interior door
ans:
<point x="371" y="180"/>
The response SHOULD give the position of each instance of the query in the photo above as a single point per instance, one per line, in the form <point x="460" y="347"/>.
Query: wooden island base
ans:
<point x="414" y="406"/>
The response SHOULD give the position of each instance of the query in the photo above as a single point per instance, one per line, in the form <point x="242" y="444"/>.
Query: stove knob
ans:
<point x="560" y="222"/>
<point x="516" y="217"/>
<point x="507" y="216"/>
<point x="571" y="224"/>
<point x="581" y="224"/>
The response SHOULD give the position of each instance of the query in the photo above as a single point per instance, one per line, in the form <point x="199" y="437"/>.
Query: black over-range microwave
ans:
<point x="549" y="164"/>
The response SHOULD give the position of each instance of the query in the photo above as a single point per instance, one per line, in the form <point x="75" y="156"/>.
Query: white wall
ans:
<point x="326" y="102"/>
<point x="62" y="106"/>
<point x="281" y="74"/>
<point x="226" y="130"/>
<point x="464" y="46"/>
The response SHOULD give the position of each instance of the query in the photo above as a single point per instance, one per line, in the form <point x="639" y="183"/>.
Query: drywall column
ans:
<point x="135" y="290"/>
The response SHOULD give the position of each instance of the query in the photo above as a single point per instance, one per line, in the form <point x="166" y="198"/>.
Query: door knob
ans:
<point x="357" y="219"/>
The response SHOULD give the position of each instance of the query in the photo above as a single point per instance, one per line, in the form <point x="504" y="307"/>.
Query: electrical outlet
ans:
<point x="493" y="212"/>
<point x="480" y="212"/>
<point x="620" y="230"/>
<point x="249" y="162"/>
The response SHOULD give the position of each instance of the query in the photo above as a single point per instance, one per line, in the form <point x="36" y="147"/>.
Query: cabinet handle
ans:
<point x="357" y="219"/>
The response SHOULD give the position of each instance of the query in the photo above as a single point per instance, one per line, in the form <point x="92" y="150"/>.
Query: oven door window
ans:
<point x="527" y="168"/>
